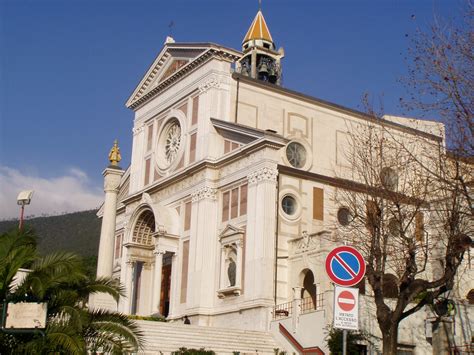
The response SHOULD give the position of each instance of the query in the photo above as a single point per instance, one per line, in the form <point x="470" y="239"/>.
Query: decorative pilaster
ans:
<point x="296" y="307"/>
<point x="202" y="248"/>
<point x="260" y="239"/>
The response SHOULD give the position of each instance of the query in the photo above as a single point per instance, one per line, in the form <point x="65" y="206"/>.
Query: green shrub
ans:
<point x="152" y="318"/>
<point x="185" y="351"/>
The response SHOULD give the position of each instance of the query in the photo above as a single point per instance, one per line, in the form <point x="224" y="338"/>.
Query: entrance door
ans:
<point x="165" y="285"/>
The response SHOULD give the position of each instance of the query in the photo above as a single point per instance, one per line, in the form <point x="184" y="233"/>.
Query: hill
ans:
<point x="77" y="232"/>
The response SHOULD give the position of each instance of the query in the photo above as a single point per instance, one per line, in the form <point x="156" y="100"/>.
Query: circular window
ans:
<point x="344" y="216"/>
<point x="288" y="205"/>
<point x="169" y="144"/>
<point x="389" y="178"/>
<point x="296" y="154"/>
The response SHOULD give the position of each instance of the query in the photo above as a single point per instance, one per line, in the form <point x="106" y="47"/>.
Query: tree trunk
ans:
<point x="390" y="339"/>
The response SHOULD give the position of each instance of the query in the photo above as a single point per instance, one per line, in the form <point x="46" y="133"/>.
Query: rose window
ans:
<point x="169" y="148"/>
<point x="173" y="142"/>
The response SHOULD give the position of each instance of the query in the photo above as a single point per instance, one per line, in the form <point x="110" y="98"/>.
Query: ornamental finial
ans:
<point x="114" y="155"/>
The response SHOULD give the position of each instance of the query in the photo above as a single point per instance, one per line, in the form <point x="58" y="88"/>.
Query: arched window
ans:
<point x="144" y="228"/>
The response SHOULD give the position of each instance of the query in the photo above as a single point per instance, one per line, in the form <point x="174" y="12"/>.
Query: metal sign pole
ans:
<point x="344" y="342"/>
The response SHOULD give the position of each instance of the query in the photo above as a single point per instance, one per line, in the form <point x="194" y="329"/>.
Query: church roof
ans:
<point x="258" y="29"/>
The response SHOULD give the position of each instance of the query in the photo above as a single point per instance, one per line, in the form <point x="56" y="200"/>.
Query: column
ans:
<point x="125" y="304"/>
<point x="239" y="244"/>
<point x="156" y="289"/>
<point x="112" y="176"/>
<point x="175" y="282"/>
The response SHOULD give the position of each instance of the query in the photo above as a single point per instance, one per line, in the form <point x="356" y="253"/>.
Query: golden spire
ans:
<point x="114" y="155"/>
<point x="258" y="29"/>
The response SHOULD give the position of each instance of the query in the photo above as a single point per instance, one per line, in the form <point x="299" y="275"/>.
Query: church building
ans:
<point x="228" y="210"/>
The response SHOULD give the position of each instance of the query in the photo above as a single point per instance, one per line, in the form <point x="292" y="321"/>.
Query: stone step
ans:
<point x="167" y="337"/>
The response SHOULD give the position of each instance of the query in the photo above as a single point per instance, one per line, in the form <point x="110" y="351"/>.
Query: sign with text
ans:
<point x="346" y="308"/>
<point x="26" y="315"/>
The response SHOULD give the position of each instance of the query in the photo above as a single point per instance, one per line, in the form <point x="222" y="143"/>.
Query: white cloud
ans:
<point x="68" y="193"/>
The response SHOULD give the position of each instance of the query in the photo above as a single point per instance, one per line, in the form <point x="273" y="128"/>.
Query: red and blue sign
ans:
<point x="345" y="266"/>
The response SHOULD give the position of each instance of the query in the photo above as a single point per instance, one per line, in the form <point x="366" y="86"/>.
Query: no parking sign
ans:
<point x="345" y="266"/>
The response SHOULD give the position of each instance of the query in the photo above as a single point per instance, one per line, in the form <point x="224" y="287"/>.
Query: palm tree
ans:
<point x="60" y="280"/>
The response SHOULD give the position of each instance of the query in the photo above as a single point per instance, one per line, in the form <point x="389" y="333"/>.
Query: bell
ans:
<point x="244" y="71"/>
<point x="272" y="77"/>
<point x="263" y="69"/>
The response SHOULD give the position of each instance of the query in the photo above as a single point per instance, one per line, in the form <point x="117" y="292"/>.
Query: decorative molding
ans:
<point x="158" y="252"/>
<point x="204" y="192"/>
<point x="137" y="130"/>
<point x="160" y="231"/>
<point x="212" y="82"/>
<point x="263" y="174"/>
<point x="308" y="243"/>
<point x="229" y="291"/>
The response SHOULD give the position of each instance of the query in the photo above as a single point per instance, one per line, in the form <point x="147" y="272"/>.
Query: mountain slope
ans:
<point x="77" y="232"/>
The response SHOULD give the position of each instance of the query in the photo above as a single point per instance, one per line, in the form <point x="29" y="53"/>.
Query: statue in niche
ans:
<point x="231" y="272"/>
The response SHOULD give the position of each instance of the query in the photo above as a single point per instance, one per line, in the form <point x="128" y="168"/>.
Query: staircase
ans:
<point x="164" y="338"/>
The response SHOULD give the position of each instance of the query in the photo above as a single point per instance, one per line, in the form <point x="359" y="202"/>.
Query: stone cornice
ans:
<point x="205" y="164"/>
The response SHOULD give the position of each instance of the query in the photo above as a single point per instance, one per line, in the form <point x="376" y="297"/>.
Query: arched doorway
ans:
<point x="142" y="235"/>
<point x="309" y="287"/>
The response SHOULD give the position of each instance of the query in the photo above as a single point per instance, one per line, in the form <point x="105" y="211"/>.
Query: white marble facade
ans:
<point x="215" y="218"/>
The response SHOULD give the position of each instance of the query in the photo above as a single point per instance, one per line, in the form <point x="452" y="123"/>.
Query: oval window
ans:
<point x="288" y="205"/>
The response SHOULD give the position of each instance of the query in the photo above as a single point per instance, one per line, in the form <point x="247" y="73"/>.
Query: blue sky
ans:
<point x="67" y="68"/>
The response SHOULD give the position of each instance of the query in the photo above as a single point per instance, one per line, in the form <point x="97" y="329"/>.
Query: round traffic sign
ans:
<point x="346" y="301"/>
<point x="345" y="266"/>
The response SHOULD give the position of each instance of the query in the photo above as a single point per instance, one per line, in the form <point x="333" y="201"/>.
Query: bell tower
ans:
<point x="261" y="60"/>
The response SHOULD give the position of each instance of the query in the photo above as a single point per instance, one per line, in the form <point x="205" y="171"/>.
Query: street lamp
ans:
<point x="24" y="198"/>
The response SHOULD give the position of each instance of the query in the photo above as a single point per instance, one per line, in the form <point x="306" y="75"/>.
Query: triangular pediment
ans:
<point x="230" y="230"/>
<point x="174" y="59"/>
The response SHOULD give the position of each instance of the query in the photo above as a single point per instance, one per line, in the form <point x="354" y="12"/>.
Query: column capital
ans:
<point x="112" y="177"/>
<point x="159" y="252"/>
<point x="263" y="174"/>
<point x="205" y="192"/>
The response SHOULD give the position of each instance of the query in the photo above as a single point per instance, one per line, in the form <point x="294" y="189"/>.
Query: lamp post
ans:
<point x="23" y="199"/>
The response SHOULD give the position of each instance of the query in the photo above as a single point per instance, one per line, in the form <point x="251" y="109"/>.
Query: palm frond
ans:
<point x="112" y="328"/>
<point x="17" y="250"/>
<point x="104" y="285"/>
<point x="52" y="271"/>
